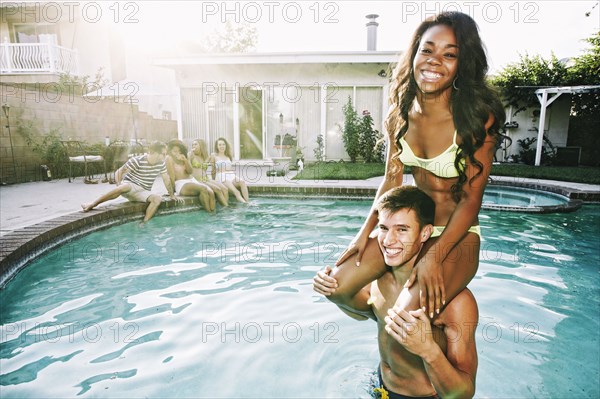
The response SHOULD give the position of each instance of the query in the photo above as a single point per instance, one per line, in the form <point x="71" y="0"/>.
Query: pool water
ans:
<point x="197" y="305"/>
<point x="521" y="197"/>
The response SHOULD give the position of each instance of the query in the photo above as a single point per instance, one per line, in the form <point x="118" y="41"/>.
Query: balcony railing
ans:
<point x="37" y="58"/>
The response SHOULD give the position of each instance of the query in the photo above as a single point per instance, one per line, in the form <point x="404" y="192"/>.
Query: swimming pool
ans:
<point x="519" y="199"/>
<point x="198" y="305"/>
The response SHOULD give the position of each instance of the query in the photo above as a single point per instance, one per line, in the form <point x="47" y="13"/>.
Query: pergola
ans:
<point x="546" y="96"/>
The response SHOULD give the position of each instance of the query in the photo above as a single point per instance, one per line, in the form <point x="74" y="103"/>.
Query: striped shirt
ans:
<point x="142" y="173"/>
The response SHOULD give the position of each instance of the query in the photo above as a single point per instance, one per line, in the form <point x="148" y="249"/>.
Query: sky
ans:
<point x="508" y="28"/>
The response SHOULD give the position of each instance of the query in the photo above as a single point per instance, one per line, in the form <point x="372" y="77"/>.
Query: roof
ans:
<point x="568" y="89"/>
<point x="341" y="57"/>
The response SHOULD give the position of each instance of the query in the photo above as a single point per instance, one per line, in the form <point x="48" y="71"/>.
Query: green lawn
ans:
<point x="361" y="171"/>
<point x="341" y="171"/>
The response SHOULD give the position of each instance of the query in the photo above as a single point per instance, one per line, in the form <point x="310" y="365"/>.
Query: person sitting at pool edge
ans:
<point x="223" y="171"/>
<point x="180" y="172"/>
<point x="199" y="158"/>
<point x="418" y="359"/>
<point x="135" y="180"/>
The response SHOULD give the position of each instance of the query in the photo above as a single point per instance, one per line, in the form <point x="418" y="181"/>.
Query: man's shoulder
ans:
<point x="138" y="159"/>
<point x="463" y="308"/>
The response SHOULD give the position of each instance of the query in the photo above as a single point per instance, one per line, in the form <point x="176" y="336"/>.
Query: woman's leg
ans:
<point x="204" y="193"/>
<point x="218" y="192"/>
<point x="458" y="270"/>
<point x="241" y="185"/>
<point x="234" y="191"/>
<point x="223" y="189"/>
<point x="351" y="278"/>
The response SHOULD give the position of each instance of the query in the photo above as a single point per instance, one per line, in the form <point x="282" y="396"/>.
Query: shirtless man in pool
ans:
<point x="418" y="358"/>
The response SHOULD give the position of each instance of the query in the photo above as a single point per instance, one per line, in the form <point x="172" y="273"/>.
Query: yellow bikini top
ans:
<point x="441" y="165"/>
<point x="199" y="165"/>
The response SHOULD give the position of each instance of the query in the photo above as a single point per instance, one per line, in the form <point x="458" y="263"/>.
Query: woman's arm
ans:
<point x="213" y="168"/>
<point x="467" y="209"/>
<point x="429" y="267"/>
<point x="393" y="178"/>
<point x="188" y="165"/>
<point x="171" y="173"/>
<point x="469" y="205"/>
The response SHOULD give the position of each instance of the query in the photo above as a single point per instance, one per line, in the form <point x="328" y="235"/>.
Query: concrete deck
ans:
<point x="25" y="204"/>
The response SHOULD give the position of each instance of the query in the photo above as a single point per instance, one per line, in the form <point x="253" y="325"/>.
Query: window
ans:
<point x="36" y="33"/>
<point x="206" y="116"/>
<point x="363" y="98"/>
<point x="294" y="111"/>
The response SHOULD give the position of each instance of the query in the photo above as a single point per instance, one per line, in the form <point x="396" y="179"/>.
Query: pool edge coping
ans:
<point x="21" y="246"/>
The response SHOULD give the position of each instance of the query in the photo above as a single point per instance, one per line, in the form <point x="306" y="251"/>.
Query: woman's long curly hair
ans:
<point x="228" y="152"/>
<point x="203" y="149"/>
<point x="471" y="104"/>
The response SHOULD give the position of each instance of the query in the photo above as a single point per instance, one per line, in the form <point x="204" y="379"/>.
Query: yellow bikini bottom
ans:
<point x="437" y="230"/>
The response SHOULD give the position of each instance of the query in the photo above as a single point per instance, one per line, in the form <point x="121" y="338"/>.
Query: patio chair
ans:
<point x="77" y="153"/>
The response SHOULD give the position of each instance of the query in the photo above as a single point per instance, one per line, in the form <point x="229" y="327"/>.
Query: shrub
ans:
<point x="350" y="132"/>
<point x="320" y="150"/>
<point x="371" y="140"/>
<point x="528" y="148"/>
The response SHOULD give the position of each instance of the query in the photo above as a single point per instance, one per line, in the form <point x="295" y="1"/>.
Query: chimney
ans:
<point x="372" y="32"/>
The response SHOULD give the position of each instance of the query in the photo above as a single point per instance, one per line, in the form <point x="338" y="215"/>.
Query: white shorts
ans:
<point x="137" y="193"/>
<point x="180" y="183"/>
<point x="225" y="177"/>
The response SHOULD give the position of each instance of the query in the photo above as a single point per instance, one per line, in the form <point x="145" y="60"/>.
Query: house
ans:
<point x="50" y="54"/>
<point x="255" y="100"/>
<point x="43" y="40"/>
<point x="547" y="126"/>
<point x="43" y="43"/>
<point x="525" y="125"/>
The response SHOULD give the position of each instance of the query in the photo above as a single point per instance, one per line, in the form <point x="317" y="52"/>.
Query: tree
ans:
<point x="228" y="38"/>
<point x="350" y="133"/>
<point x="518" y="81"/>
<point x="238" y="38"/>
<point x="585" y="120"/>
<point x="585" y="71"/>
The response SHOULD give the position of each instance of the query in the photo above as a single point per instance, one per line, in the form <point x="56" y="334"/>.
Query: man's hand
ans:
<point x="323" y="283"/>
<point x="412" y="330"/>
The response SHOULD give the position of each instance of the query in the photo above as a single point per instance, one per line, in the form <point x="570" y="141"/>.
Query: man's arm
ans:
<point x="325" y="285"/>
<point x="453" y="374"/>
<point x="168" y="184"/>
<point x="360" y="300"/>
<point x="120" y="173"/>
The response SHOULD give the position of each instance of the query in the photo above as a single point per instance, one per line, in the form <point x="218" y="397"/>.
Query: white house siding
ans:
<point x="556" y="125"/>
<point x="206" y="116"/>
<point x="213" y="105"/>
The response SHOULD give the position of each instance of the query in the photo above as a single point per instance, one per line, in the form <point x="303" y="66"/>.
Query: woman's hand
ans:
<point x="432" y="294"/>
<point x="357" y="246"/>
<point x="176" y="198"/>
<point x="323" y="283"/>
